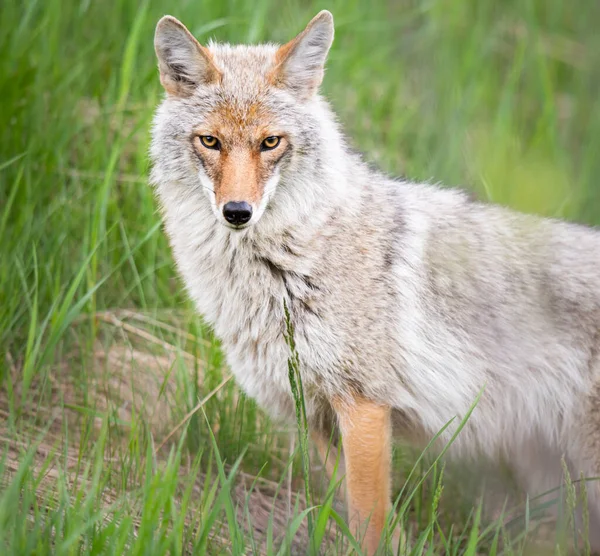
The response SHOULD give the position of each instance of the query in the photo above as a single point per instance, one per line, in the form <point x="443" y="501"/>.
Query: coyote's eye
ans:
<point x="210" y="142"/>
<point x="269" y="143"/>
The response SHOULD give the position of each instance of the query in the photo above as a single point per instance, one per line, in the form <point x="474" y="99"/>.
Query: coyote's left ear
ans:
<point x="183" y="62"/>
<point x="299" y="64"/>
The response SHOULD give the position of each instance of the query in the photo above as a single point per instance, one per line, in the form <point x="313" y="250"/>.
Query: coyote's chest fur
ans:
<point x="241" y="281"/>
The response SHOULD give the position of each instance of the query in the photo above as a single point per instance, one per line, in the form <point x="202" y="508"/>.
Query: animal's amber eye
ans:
<point x="210" y="142"/>
<point x="270" y="143"/>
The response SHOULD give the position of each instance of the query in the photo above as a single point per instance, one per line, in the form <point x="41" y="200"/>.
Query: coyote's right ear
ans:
<point x="299" y="64"/>
<point x="183" y="62"/>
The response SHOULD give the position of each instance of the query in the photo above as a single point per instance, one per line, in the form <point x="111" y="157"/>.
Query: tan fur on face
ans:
<point x="239" y="177"/>
<point x="240" y="170"/>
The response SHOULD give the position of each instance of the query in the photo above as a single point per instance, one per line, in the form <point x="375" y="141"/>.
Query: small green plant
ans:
<point x="295" y="379"/>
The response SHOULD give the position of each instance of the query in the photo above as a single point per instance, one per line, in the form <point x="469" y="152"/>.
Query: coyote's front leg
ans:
<point x="366" y="440"/>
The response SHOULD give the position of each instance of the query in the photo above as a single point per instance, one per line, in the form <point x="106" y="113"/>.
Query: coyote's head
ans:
<point x="237" y="118"/>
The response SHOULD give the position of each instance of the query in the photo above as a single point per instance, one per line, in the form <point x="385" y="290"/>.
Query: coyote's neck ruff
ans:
<point x="406" y="299"/>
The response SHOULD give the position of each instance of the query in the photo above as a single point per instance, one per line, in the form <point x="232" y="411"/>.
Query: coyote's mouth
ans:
<point x="237" y="228"/>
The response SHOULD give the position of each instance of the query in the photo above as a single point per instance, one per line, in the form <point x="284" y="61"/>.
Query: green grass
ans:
<point x="101" y="354"/>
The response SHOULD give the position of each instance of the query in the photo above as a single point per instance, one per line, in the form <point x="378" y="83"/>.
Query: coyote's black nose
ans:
<point x="237" y="213"/>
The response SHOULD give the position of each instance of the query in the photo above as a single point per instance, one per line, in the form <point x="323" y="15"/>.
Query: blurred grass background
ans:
<point x="101" y="355"/>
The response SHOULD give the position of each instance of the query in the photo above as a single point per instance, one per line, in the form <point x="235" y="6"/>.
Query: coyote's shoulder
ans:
<point x="407" y="300"/>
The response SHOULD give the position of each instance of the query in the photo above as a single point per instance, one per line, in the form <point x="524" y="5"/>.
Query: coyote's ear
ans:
<point x="299" y="63"/>
<point x="183" y="62"/>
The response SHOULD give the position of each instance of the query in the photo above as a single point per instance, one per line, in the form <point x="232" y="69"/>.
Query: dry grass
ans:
<point x="132" y="380"/>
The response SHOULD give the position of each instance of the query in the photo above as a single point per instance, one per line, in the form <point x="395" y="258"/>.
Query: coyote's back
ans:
<point x="407" y="300"/>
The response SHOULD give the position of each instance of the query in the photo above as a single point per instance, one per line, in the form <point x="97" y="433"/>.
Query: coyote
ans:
<point x="407" y="300"/>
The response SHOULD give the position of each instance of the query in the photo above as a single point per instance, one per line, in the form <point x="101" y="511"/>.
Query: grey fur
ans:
<point x="410" y="294"/>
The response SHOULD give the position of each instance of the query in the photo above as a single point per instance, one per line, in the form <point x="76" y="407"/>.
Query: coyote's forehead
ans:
<point x="241" y="121"/>
<point x="243" y="101"/>
<point x="244" y="106"/>
<point x="245" y="70"/>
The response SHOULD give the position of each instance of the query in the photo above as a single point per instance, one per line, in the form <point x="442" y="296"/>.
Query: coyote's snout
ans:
<point x="239" y="165"/>
<point x="406" y="299"/>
